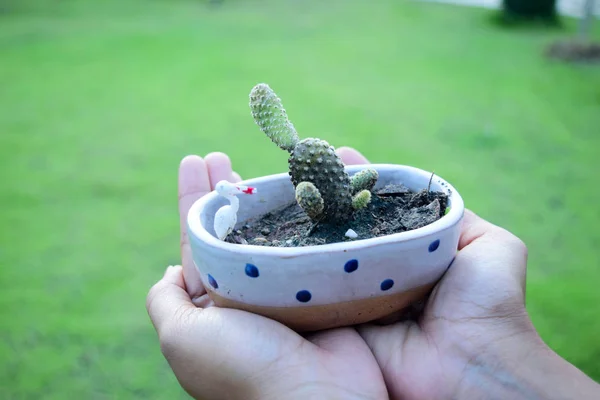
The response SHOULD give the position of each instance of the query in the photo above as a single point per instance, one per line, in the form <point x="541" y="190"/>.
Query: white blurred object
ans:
<point x="351" y="234"/>
<point x="226" y="216"/>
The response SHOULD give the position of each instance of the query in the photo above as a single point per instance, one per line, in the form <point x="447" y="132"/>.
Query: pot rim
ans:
<point x="196" y="229"/>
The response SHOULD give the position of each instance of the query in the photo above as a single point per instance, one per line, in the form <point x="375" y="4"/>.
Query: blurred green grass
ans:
<point x="100" y="100"/>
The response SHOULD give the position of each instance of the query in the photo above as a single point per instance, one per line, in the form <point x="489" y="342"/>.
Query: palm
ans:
<point x="252" y="345"/>
<point x="429" y="360"/>
<point x="262" y="349"/>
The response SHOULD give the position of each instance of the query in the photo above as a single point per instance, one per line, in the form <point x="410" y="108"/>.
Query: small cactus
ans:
<point x="309" y="198"/>
<point x="314" y="160"/>
<point x="323" y="188"/>
<point x="361" y="199"/>
<point x="364" y="180"/>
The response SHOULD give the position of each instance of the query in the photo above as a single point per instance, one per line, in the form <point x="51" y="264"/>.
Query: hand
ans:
<point x="474" y="338"/>
<point x="230" y="354"/>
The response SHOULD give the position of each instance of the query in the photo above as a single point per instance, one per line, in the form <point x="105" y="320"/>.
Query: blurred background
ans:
<point x="100" y="100"/>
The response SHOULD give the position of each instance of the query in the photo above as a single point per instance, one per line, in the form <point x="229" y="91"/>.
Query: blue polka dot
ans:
<point x="212" y="281"/>
<point x="303" y="296"/>
<point x="251" y="271"/>
<point x="387" y="284"/>
<point x="351" y="266"/>
<point x="434" y="245"/>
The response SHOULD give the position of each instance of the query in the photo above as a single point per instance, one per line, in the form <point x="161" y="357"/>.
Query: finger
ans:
<point x="203" y="301"/>
<point x="394" y="347"/>
<point x="350" y="156"/>
<point x="409" y="313"/>
<point x="336" y="342"/>
<point x="194" y="183"/>
<point x="167" y="298"/>
<point x="235" y="177"/>
<point x="219" y="168"/>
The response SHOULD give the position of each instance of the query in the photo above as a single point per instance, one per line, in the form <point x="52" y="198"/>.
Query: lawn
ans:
<point x="100" y="100"/>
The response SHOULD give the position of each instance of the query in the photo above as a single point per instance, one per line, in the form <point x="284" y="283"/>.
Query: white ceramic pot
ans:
<point x="318" y="287"/>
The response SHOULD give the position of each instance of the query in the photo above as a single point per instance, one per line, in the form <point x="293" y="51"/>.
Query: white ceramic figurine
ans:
<point x="226" y="216"/>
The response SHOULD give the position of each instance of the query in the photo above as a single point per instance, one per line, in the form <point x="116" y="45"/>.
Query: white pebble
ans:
<point x="351" y="234"/>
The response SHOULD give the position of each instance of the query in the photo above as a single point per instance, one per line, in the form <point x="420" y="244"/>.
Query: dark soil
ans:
<point x="393" y="209"/>
<point x="575" y="52"/>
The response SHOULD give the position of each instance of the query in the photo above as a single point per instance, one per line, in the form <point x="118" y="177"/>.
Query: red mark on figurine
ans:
<point x="249" y="190"/>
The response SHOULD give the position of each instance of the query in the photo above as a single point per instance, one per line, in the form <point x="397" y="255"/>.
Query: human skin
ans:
<point x="473" y="338"/>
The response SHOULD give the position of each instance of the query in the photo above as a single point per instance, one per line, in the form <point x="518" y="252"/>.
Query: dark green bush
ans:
<point x="529" y="10"/>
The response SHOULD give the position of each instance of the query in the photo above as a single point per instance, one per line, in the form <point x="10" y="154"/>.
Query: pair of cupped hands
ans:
<point x="472" y="339"/>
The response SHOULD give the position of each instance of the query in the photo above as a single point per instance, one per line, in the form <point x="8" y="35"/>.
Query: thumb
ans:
<point x="168" y="298"/>
<point x="484" y="245"/>
<point x="486" y="279"/>
<point x="351" y="156"/>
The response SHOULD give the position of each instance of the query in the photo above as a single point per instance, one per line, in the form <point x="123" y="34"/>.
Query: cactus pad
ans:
<point x="315" y="161"/>
<point x="309" y="198"/>
<point x="364" y="180"/>
<point x="361" y="199"/>
<point x="270" y="116"/>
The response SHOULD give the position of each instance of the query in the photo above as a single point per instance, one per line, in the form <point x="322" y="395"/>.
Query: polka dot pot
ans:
<point x="319" y="287"/>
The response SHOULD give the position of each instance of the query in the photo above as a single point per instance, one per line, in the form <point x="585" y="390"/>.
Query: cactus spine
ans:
<point x="323" y="188"/>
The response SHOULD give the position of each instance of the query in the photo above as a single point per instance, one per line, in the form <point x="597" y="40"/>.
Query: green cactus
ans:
<point x="364" y="180"/>
<point x="361" y="199"/>
<point x="271" y="117"/>
<point x="309" y="198"/>
<point x="315" y="161"/>
<point x="311" y="161"/>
